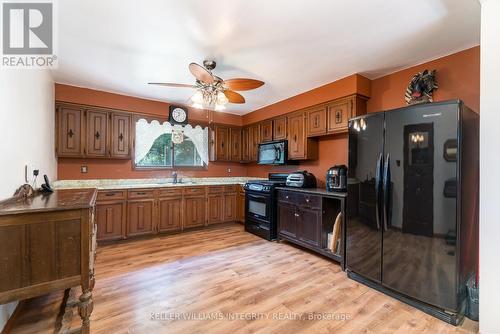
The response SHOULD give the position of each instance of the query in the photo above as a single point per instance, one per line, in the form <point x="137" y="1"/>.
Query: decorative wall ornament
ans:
<point x="421" y="87"/>
<point x="177" y="136"/>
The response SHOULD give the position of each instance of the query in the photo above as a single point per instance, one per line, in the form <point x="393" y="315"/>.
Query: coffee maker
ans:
<point x="336" y="178"/>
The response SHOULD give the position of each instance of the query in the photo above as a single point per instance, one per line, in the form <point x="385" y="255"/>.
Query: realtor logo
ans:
<point x="28" y="35"/>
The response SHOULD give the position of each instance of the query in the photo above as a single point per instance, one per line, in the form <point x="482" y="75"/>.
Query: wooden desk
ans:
<point x="47" y="243"/>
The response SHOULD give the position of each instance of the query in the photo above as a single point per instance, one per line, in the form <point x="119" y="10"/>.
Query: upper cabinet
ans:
<point x="235" y="139"/>
<point x="86" y="132"/>
<point x="266" y="131"/>
<point x="226" y="144"/>
<point x="97" y="133"/>
<point x="245" y="144"/>
<point x="316" y="121"/>
<point x="300" y="147"/>
<point x="254" y="140"/>
<point x="70" y="131"/>
<point x="279" y="128"/>
<point x="340" y="111"/>
<point x="222" y="148"/>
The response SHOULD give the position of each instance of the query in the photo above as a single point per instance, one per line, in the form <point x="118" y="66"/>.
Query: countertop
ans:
<point x="59" y="200"/>
<point x="315" y="191"/>
<point x="107" y="184"/>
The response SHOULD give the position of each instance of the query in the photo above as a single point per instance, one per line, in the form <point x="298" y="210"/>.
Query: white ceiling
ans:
<point x="292" y="45"/>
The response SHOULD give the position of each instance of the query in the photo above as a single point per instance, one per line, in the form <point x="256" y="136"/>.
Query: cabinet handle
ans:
<point x="97" y="135"/>
<point x="109" y="194"/>
<point x="307" y="200"/>
<point x="70" y="133"/>
<point x="287" y="197"/>
<point x="120" y="137"/>
<point x="338" y="116"/>
<point x="141" y="193"/>
<point x="222" y="144"/>
<point x="295" y="138"/>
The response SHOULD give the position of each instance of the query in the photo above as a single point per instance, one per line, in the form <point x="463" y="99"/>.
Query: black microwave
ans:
<point x="273" y="153"/>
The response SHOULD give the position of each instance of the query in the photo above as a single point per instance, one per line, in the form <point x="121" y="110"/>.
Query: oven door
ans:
<point x="258" y="206"/>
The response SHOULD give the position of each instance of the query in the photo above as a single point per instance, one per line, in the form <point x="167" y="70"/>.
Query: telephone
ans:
<point x="46" y="188"/>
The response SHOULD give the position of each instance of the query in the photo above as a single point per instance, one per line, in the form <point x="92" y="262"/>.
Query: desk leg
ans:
<point x="86" y="305"/>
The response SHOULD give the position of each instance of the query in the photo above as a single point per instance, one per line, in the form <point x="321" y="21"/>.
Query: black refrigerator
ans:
<point x="412" y="215"/>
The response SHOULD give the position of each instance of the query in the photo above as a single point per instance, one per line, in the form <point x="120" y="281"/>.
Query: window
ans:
<point x="154" y="147"/>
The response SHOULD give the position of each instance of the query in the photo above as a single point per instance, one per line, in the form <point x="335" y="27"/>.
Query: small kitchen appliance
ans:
<point x="301" y="179"/>
<point x="336" y="178"/>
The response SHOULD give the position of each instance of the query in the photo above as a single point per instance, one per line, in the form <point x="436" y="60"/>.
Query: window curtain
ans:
<point x="146" y="134"/>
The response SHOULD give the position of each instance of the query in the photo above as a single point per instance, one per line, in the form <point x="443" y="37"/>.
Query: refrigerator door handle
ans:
<point x="378" y="178"/>
<point x="386" y="185"/>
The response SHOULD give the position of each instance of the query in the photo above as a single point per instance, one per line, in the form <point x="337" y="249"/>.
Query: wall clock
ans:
<point x="178" y="115"/>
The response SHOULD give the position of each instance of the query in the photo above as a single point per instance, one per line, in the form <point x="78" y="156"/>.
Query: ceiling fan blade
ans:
<point x="242" y="84"/>
<point x="201" y="73"/>
<point x="234" y="97"/>
<point x="172" y="84"/>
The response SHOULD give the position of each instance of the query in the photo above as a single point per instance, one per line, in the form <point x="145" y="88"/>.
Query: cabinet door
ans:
<point x="241" y="207"/>
<point x="287" y="224"/>
<point x="254" y="139"/>
<point x="120" y="136"/>
<point x="266" y="131"/>
<point x="194" y="211"/>
<point x="70" y="132"/>
<point x="97" y="133"/>
<point x="245" y="147"/>
<point x="235" y="136"/>
<point x="110" y="218"/>
<point x="229" y="207"/>
<point x="169" y="214"/>
<point x="296" y="136"/>
<point x="309" y="223"/>
<point x="140" y="217"/>
<point x="279" y="128"/>
<point x="215" y="208"/>
<point x="222" y="143"/>
<point x="338" y="114"/>
<point x="316" y="121"/>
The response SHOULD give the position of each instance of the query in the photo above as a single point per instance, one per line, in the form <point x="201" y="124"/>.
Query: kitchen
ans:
<point x="245" y="197"/>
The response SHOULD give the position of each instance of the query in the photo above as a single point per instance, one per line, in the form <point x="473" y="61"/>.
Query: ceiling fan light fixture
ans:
<point x="220" y="107"/>
<point x="222" y="98"/>
<point x="197" y="98"/>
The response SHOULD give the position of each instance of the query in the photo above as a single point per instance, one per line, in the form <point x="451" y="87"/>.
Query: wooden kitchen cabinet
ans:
<point x="316" y="121"/>
<point x="111" y="219"/>
<point x="245" y="144"/>
<point x="97" y="133"/>
<point x="229" y="207"/>
<point x="300" y="147"/>
<point x="70" y="131"/>
<point x="235" y="141"/>
<point x="266" y="131"/>
<point x="240" y="202"/>
<point x="286" y="219"/>
<point x="215" y="208"/>
<point x="340" y="111"/>
<point x="254" y="140"/>
<point x="279" y="128"/>
<point x="140" y="217"/>
<point x="120" y="136"/>
<point x="169" y="214"/>
<point x="222" y="144"/>
<point x="194" y="211"/>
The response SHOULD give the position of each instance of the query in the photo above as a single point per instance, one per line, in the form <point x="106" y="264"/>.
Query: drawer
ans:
<point x="194" y="191"/>
<point x="170" y="192"/>
<point x="286" y="196"/>
<point x="141" y="193"/>
<point x="230" y="189"/>
<point x="215" y="189"/>
<point x="110" y="195"/>
<point x="309" y="201"/>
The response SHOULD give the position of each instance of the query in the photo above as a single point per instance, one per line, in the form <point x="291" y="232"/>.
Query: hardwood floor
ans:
<point x="147" y="286"/>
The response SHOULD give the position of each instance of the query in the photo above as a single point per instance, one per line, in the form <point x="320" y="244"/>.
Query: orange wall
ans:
<point x="457" y="77"/>
<point x="69" y="168"/>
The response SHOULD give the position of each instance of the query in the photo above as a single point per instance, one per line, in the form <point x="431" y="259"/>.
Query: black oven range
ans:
<point x="261" y="205"/>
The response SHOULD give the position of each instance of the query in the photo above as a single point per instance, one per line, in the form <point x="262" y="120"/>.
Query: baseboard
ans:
<point x="12" y="319"/>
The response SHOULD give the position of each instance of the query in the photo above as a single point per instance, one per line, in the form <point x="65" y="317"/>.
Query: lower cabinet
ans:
<point x="309" y="225"/>
<point x="240" y="203"/>
<point x="169" y="214"/>
<point x="140" y="217"/>
<point x="110" y="219"/>
<point x="287" y="224"/>
<point x="229" y="207"/>
<point x="215" y="208"/>
<point x="194" y="211"/>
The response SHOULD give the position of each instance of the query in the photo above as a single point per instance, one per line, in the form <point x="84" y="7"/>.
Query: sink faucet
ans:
<point x="174" y="176"/>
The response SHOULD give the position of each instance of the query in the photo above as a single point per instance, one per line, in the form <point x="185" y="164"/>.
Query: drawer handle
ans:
<point x="287" y="197"/>
<point x="142" y="193"/>
<point x="110" y="194"/>
<point x="307" y="200"/>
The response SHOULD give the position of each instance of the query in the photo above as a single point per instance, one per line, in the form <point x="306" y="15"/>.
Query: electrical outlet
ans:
<point x="83" y="169"/>
<point x="229" y="170"/>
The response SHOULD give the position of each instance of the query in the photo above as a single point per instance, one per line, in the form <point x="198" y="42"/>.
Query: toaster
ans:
<point x="301" y="179"/>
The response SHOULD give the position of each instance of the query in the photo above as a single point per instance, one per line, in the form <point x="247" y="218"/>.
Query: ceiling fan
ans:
<point x="211" y="90"/>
